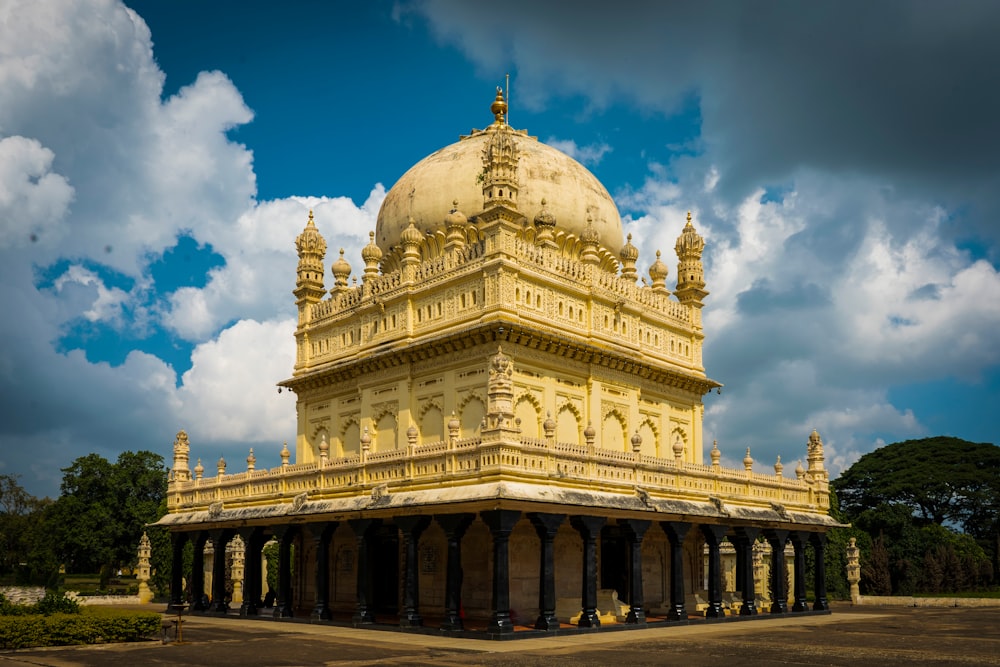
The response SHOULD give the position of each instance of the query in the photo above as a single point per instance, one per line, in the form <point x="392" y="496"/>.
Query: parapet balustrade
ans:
<point x="469" y="460"/>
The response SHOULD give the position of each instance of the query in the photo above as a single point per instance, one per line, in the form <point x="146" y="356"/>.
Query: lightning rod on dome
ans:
<point x="507" y="96"/>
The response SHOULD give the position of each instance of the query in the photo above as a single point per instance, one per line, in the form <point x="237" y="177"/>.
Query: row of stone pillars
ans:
<point x="500" y="524"/>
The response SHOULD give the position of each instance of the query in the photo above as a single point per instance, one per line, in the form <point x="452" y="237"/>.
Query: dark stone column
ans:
<point x="454" y="527"/>
<point x="411" y="528"/>
<point x="713" y="537"/>
<point x="589" y="528"/>
<point x="199" y="601"/>
<point x="321" y="533"/>
<point x="547" y="525"/>
<point x="798" y="539"/>
<point x="741" y="567"/>
<point x="676" y="532"/>
<point x="177" y="542"/>
<point x="363" y="614"/>
<point x="220" y="539"/>
<point x="819" y="545"/>
<point x="779" y="574"/>
<point x="500" y="523"/>
<point x="283" y="605"/>
<point x="253" y="540"/>
<point x="746" y="536"/>
<point x="635" y="530"/>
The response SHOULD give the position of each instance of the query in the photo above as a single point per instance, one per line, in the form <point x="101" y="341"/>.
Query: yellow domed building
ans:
<point x="500" y="427"/>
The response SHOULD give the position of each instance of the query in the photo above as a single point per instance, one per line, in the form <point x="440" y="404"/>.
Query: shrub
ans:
<point x="56" y="603"/>
<point x="53" y="603"/>
<point x="90" y="626"/>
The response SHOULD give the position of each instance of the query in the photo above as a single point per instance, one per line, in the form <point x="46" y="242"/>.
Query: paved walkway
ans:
<point x="850" y="636"/>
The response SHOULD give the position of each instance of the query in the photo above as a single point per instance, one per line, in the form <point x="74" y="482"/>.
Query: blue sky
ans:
<point x="157" y="161"/>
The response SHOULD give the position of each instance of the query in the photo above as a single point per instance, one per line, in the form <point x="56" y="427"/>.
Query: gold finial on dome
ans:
<point x="499" y="107"/>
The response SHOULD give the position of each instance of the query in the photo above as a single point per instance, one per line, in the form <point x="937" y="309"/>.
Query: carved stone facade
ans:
<point x="498" y="395"/>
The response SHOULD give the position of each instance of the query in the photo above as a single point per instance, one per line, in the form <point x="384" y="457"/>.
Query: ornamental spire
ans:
<point x="311" y="247"/>
<point x="690" y="272"/>
<point x="500" y="159"/>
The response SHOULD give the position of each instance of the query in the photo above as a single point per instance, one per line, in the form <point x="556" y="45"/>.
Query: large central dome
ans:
<point x="427" y="191"/>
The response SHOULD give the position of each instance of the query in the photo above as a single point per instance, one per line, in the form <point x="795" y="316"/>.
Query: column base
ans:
<point x="363" y="618"/>
<point x="321" y="614"/>
<point x="636" y="617"/>
<point x="547" y="622"/>
<point x="500" y="625"/>
<point x="248" y="609"/>
<point x="411" y="621"/>
<point x="452" y="623"/>
<point x="715" y="610"/>
<point x="219" y="608"/>
<point x="589" y="619"/>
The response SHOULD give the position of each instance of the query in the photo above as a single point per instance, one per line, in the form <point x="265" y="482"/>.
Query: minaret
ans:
<point x="690" y="273"/>
<point x="309" y="285"/>
<point x="500" y="160"/>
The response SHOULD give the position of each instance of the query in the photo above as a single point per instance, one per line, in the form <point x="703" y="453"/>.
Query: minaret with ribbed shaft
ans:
<point x="500" y="160"/>
<point x="309" y="289"/>
<point x="690" y="273"/>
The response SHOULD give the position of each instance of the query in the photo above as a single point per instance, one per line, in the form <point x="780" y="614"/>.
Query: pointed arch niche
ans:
<point x="350" y="438"/>
<point x="613" y="431"/>
<point x="431" y="423"/>
<point x="471" y="413"/>
<point x="528" y="411"/>
<point x="568" y="422"/>
<point x="650" y="439"/>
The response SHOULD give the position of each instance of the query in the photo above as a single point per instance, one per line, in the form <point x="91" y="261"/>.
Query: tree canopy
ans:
<point x="943" y="480"/>
<point x="910" y="499"/>
<point x="103" y="508"/>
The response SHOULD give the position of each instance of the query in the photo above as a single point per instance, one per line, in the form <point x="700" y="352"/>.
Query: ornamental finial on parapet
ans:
<point x="182" y="449"/>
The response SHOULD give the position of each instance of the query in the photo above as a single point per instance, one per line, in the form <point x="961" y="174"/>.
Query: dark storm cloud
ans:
<point x="902" y="91"/>
<point x="762" y="297"/>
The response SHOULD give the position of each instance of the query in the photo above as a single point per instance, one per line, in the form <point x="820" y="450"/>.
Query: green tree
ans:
<point x="100" y="516"/>
<point x="18" y="508"/>
<point x="911" y="496"/>
<point x="940" y="479"/>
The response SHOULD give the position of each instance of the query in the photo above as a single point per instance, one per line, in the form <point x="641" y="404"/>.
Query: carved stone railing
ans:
<point x="468" y="461"/>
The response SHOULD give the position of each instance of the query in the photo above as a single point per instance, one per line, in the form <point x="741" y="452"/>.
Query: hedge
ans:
<point x="93" y="625"/>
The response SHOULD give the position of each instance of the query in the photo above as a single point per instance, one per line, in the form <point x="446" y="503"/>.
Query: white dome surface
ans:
<point x="426" y="191"/>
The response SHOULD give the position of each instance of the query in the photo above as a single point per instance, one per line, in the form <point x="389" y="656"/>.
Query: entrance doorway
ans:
<point x="384" y="563"/>
<point x="614" y="561"/>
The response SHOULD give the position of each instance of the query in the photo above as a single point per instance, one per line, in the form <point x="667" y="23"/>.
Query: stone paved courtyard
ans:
<point x="850" y="636"/>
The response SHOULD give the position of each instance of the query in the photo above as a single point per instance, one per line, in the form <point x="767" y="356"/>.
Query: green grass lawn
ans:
<point x="90" y="584"/>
